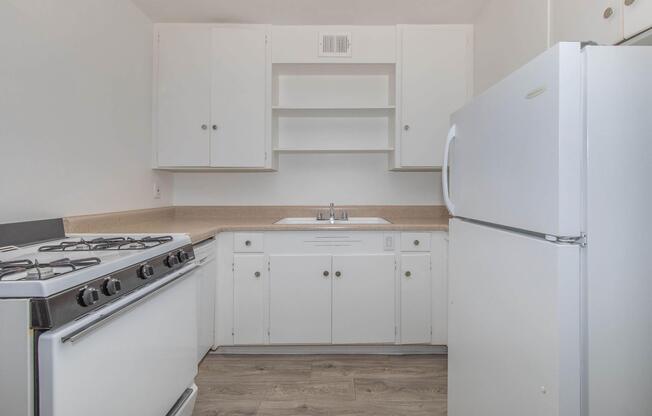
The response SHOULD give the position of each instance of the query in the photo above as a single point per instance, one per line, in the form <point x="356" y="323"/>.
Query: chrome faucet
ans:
<point x="332" y="215"/>
<point x="331" y="212"/>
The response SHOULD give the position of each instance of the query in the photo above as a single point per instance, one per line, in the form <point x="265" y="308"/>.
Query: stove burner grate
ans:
<point x="107" y="243"/>
<point x="41" y="271"/>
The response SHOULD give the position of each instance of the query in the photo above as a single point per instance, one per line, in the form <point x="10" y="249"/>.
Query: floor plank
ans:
<point x="330" y="385"/>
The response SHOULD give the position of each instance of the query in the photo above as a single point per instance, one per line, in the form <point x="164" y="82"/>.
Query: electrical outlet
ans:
<point x="157" y="191"/>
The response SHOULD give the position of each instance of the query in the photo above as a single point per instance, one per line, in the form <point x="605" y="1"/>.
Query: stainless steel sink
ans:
<point x="349" y="221"/>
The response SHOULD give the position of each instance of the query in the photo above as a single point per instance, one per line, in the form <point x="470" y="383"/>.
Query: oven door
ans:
<point x="136" y="356"/>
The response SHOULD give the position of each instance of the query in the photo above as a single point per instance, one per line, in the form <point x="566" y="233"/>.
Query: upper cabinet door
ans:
<point x="239" y="96"/>
<point x="183" y="113"/>
<point x="586" y="20"/>
<point x="638" y="16"/>
<point x="435" y="78"/>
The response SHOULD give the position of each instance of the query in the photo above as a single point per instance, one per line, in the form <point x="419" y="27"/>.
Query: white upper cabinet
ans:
<point x="638" y="16"/>
<point x="586" y="20"/>
<point x="239" y="96"/>
<point x="435" y="68"/>
<point x="334" y="44"/>
<point x="183" y="105"/>
<point x="212" y="104"/>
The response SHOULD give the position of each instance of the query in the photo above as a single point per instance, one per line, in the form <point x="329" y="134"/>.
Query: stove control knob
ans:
<point x="183" y="256"/>
<point x="145" y="271"/>
<point x="88" y="296"/>
<point x="111" y="286"/>
<point x="172" y="260"/>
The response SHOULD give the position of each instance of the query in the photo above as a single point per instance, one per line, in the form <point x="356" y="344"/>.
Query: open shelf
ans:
<point x="352" y="108"/>
<point x="333" y="108"/>
<point x="340" y="150"/>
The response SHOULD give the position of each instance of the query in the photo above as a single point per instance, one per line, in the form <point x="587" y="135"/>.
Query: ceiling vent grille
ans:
<point x="335" y="44"/>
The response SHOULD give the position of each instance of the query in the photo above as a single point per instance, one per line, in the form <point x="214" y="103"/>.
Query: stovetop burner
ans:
<point x="107" y="243"/>
<point x="41" y="271"/>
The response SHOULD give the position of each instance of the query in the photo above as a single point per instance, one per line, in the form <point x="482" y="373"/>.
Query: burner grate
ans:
<point x="107" y="243"/>
<point x="42" y="271"/>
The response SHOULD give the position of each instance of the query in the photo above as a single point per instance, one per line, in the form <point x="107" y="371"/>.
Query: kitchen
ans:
<point x="352" y="207"/>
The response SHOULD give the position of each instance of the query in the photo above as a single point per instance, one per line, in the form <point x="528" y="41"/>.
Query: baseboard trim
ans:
<point x="334" y="349"/>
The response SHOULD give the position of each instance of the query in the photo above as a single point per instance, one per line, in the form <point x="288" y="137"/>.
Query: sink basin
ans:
<point x="350" y="221"/>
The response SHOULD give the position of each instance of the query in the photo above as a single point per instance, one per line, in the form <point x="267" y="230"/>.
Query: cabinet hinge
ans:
<point x="265" y="155"/>
<point x="269" y="266"/>
<point x="266" y="39"/>
<point x="232" y="332"/>
<point x="269" y="332"/>
<point x="232" y="267"/>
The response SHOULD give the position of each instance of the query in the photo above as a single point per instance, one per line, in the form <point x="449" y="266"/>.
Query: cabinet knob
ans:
<point x="408" y="274"/>
<point x="629" y="2"/>
<point x="608" y="12"/>
<point x="326" y="273"/>
<point x="417" y="242"/>
<point x="215" y="127"/>
<point x="257" y="274"/>
<point x="406" y="127"/>
<point x="204" y="126"/>
<point x="247" y="243"/>
<point x="338" y="274"/>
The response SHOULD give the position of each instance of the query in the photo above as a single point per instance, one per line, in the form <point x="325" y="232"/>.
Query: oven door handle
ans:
<point x="81" y="332"/>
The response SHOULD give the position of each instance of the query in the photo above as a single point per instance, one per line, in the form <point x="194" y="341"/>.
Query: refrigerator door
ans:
<point x="619" y="197"/>
<point x="514" y="324"/>
<point x="517" y="154"/>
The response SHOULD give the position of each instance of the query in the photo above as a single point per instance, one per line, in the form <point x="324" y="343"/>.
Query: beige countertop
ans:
<point x="207" y="221"/>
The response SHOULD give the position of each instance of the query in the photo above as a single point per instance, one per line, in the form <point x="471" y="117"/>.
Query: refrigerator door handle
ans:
<point x="444" y="170"/>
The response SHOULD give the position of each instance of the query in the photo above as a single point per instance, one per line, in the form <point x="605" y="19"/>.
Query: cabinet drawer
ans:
<point x="248" y="243"/>
<point x="415" y="242"/>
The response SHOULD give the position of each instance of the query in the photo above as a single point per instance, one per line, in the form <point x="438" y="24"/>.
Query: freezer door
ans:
<point x="516" y="157"/>
<point x="514" y="324"/>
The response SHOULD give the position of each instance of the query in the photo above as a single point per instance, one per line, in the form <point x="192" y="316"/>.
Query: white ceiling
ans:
<point x="312" y="11"/>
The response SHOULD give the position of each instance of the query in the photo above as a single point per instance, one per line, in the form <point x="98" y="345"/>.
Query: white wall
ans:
<point x="508" y="33"/>
<point x="305" y="179"/>
<point x="75" y="109"/>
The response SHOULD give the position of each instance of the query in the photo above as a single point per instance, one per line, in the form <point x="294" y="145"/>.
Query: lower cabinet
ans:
<point x="306" y="288"/>
<point x="300" y="299"/>
<point x="364" y="299"/>
<point x="249" y="294"/>
<point x="415" y="282"/>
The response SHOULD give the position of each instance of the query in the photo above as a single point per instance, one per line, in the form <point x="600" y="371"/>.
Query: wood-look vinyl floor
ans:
<point x="329" y="385"/>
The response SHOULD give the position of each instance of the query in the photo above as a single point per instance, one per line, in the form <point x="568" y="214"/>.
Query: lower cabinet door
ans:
<point x="248" y="299"/>
<point x="415" y="299"/>
<point x="300" y="299"/>
<point x="364" y="299"/>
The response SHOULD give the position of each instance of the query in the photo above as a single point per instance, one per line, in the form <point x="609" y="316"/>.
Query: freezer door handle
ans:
<point x="452" y="133"/>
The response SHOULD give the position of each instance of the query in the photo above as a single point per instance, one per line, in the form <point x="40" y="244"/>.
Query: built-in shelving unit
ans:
<point x="333" y="108"/>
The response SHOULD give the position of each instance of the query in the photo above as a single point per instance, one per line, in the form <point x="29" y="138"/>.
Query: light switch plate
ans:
<point x="388" y="242"/>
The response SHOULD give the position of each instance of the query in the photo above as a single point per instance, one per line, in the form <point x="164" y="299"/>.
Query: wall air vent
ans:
<point x="335" y="44"/>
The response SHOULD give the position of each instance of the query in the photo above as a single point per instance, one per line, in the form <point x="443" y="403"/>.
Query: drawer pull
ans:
<point x="417" y="242"/>
<point x="326" y="273"/>
<point x="408" y="274"/>
<point x="257" y="275"/>
<point x="338" y="274"/>
<point x="248" y="243"/>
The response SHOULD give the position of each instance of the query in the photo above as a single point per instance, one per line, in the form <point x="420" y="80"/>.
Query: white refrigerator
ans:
<point x="548" y="176"/>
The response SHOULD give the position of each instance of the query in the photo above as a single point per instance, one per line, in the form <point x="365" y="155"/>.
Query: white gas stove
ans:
<point x="104" y="314"/>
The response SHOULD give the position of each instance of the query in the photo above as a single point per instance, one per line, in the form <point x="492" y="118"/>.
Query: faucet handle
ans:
<point x="345" y="215"/>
